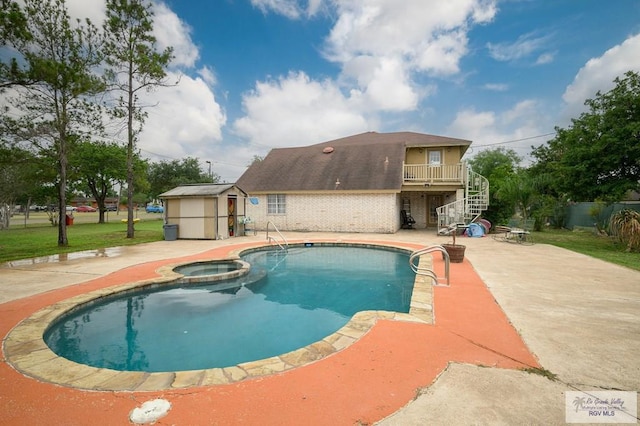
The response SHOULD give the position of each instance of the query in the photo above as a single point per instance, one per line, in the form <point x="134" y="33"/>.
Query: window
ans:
<point x="435" y="158"/>
<point x="276" y="204"/>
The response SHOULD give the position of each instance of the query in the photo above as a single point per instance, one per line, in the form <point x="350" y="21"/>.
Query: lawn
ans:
<point x="42" y="240"/>
<point x="36" y="241"/>
<point x="585" y="241"/>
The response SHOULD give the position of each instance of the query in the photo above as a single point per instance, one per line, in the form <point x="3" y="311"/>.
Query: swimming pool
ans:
<point x="285" y="302"/>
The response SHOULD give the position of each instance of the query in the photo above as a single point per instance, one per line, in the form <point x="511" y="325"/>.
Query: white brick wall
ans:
<point x="379" y="213"/>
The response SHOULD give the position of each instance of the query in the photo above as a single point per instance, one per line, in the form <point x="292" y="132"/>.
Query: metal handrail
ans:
<point x="273" y="240"/>
<point x="428" y="271"/>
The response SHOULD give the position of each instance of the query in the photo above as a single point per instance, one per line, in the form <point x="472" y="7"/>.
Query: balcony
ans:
<point x="445" y="174"/>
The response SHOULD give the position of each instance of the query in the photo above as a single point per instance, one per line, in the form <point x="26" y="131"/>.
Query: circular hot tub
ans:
<point x="211" y="270"/>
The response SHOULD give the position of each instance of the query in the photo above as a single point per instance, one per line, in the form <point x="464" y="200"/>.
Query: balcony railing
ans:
<point x="441" y="174"/>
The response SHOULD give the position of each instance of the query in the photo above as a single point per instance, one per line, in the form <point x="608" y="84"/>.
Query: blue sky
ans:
<point x="262" y="74"/>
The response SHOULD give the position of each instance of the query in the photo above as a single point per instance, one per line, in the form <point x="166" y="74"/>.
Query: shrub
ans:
<point x="625" y="225"/>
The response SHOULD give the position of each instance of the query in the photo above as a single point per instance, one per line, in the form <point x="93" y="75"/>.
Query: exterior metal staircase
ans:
<point x="466" y="210"/>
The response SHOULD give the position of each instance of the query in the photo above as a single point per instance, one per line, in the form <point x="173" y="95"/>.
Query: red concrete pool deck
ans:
<point x="364" y="383"/>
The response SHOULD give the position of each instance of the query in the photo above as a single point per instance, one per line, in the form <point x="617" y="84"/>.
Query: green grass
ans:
<point x="19" y="242"/>
<point x="36" y="241"/>
<point x="585" y="241"/>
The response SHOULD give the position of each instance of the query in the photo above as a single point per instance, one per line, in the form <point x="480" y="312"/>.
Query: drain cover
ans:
<point x="150" y="411"/>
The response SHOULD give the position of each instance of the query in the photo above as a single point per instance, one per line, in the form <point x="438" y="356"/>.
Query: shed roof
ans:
<point x="200" y="190"/>
<point x="368" y="161"/>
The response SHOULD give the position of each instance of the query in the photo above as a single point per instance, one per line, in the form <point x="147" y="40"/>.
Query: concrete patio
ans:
<point x="579" y="316"/>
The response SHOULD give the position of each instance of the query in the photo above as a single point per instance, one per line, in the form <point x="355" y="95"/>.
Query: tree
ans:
<point x="497" y="165"/>
<point x="13" y="30"/>
<point x="598" y="156"/>
<point x="52" y="103"/>
<point x="166" y="175"/>
<point x="134" y="65"/>
<point x="26" y="179"/>
<point x="98" y="166"/>
<point x="522" y="191"/>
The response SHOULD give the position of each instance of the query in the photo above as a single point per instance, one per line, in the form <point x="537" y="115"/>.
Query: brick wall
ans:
<point x="378" y="213"/>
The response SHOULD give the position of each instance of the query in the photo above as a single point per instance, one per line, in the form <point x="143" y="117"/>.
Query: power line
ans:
<point x="514" y="140"/>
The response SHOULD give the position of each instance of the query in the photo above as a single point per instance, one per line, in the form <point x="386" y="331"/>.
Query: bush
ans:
<point x="625" y="225"/>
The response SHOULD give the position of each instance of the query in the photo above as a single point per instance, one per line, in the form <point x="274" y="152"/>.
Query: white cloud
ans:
<point x="170" y="30"/>
<point x="94" y="10"/>
<point x="186" y="121"/>
<point x="491" y="129"/>
<point x="208" y="75"/>
<point x="295" y="110"/>
<point x="599" y="73"/>
<point x="525" y="46"/>
<point x="381" y="46"/>
<point x="384" y="44"/>
<point x="292" y="9"/>
<point x="383" y="84"/>
<point x="545" y="58"/>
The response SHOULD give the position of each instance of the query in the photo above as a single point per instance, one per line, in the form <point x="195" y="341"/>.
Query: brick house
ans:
<point x="363" y="183"/>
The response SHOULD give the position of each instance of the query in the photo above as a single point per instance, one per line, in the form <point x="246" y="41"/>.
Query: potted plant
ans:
<point x="455" y="251"/>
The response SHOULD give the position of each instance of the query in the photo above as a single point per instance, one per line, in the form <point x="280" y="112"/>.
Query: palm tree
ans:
<point x="625" y="224"/>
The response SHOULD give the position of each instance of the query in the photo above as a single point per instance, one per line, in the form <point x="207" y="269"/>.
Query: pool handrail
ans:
<point x="429" y="271"/>
<point x="273" y="240"/>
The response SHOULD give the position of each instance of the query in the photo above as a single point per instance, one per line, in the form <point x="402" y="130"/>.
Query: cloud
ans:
<point x="94" y="10"/>
<point x="186" y="120"/>
<point x="295" y="110"/>
<point x="598" y="74"/>
<point x="383" y="47"/>
<point x="208" y="75"/>
<point x="170" y="30"/>
<point x="292" y="9"/>
<point x="525" y="46"/>
<point x="491" y="129"/>
<point x="545" y="58"/>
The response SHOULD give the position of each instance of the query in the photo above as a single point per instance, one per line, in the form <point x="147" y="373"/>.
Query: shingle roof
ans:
<point x="368" y="161"/>
<point x="198" y="190"/>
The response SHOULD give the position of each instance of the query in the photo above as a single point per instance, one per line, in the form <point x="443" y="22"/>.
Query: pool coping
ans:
<point x="26" y="351"/>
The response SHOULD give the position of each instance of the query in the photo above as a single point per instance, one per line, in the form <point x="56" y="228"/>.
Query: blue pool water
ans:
<point x="287" y="301"/>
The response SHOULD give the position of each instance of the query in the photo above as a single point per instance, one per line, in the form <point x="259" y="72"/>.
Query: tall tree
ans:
<point x="598" y="156"/>
<point x="53" y="108"/>
<point x="134" y="64"/>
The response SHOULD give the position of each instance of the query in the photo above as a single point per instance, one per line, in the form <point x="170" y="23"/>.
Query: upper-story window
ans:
<point x="435" y="157"/>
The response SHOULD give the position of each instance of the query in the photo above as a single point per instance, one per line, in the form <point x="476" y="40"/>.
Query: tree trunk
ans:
<point x="130" y="230"/>
<point x="62" y="192"/>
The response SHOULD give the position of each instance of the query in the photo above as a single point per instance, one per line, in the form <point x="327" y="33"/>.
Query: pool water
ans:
<point x="286" y="302"/>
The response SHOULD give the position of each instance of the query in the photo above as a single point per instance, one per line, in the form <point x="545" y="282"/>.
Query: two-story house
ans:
<point x="369" y="182"/>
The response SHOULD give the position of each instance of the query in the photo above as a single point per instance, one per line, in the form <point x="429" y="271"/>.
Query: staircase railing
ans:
<point x="466" y="210"/>
<point x="272" y="240"/>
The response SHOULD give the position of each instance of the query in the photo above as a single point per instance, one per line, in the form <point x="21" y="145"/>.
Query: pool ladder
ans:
<point x="284" y="246"/>
<point x="428" y="271"/>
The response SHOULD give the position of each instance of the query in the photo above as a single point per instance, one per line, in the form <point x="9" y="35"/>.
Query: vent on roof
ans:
<point x="328" y="150"/>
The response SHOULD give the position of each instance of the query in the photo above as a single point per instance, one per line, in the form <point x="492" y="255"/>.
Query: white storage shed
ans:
<point x="205" y="211"/>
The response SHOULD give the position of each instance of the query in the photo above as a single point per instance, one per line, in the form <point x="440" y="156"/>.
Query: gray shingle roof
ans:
<point x="368" y="161"/>
<point x="198" y="190"/>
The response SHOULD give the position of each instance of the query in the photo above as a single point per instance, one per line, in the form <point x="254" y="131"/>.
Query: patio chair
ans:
<point x="407" y="220"/>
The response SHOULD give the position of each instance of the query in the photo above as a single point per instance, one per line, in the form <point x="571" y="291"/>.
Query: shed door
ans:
<point x="233" y="205"/>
